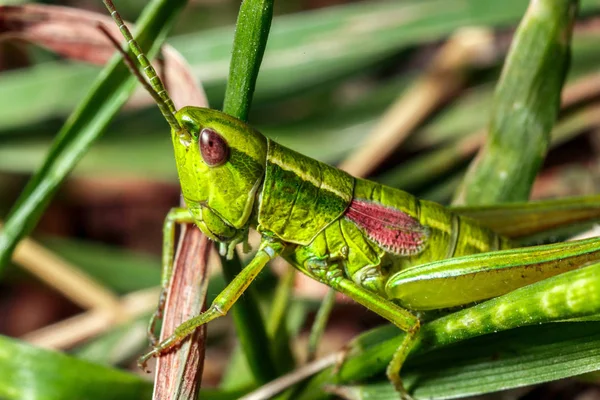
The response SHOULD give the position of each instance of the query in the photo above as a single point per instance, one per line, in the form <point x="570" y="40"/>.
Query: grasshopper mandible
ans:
<point x="373" y="243"/>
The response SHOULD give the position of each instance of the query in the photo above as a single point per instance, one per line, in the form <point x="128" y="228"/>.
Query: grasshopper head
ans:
<point x="221" y="164"/>
<point x="220" y="160"/>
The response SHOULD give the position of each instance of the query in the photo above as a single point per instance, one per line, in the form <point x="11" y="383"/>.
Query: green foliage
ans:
<point x="29" y="372"/>
<point x="526" y="105"/>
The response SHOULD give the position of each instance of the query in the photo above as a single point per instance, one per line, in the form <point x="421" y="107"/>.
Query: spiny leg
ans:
<point x="397" y="315"/>
<point x="222" y="303"/>
<point x="175" y="216"/>
<point x="394" y="367"/>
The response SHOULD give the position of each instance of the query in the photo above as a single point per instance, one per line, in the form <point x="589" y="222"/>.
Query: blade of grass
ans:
<point x="277" y="326"/>
<point x="526" y="105"/>
<point x="498" y="362"/>
<point x="524" y="219"/>
<point x="27" y="372"/>
<point x="250" y="327"/>
<point x="83" y="127"/>
<point x="252" y="30"/>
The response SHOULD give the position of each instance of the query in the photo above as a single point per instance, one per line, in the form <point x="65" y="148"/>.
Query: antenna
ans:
<point x="153" y="85"/>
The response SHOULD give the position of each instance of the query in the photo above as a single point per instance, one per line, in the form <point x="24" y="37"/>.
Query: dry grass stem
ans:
<point x="178" y="373"/>
<point x="67" y="279"/>
<point x="441" y="81"/>
<point x="278" y="385"/>
<point x="69" y="332"/>
<point x="583" y="89"/>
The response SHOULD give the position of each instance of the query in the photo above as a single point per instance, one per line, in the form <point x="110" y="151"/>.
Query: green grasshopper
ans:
<point x="375" y="244"/>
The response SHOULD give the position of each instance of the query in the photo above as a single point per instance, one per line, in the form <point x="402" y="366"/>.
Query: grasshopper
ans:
<point x="378" y="245"/>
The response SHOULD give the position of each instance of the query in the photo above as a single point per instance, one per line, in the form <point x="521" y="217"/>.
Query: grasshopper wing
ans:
<point x="390" y="228"/>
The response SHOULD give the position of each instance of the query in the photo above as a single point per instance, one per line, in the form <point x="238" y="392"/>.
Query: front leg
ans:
<point x="222" y="303"/>
<point x="174" y="217"/>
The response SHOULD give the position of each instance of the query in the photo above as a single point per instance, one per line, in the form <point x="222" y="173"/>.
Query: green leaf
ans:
<point x="496" y="362"/>
<point x="526" y="105"/>
<point x="27" y="372"/>
<point x="252" y="31"/>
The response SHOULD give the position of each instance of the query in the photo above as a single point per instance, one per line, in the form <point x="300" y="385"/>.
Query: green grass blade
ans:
<point x="254" y="21"/>
<point x="27" y="372"/>
<point x="252" y="31"/>
<point x="250" y="327"/>
<point x="277" y="325"/>
<point x="85" y="125"/>
<point x="497" y="362"/>
<point x="526" y="105"/>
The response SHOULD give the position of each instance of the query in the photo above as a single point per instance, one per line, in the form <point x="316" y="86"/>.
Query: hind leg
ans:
<point x="402" y="318"/>
<point x="332" y="274"/>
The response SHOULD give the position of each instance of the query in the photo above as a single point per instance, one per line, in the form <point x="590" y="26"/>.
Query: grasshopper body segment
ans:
<point x="424" y="231"/>
<point x="301" y="196"/>
<point x="394" y="230"/>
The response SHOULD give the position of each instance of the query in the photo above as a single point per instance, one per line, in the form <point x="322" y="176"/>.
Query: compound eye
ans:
<point x="213" y="148"/>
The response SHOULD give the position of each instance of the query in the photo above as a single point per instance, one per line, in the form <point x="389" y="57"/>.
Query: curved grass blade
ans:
<point x="254" y="22"/>
<point x="27" y="372"/>
<point x="496" y="362"/>
<point x="526" y="106"/>
<point x="84" y="126"/>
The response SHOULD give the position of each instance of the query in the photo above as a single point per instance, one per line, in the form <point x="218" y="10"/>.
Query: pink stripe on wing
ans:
<point x="392" y="229"/>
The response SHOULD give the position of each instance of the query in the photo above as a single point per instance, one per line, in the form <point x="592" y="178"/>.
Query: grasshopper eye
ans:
<point x="213" y="147"/>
